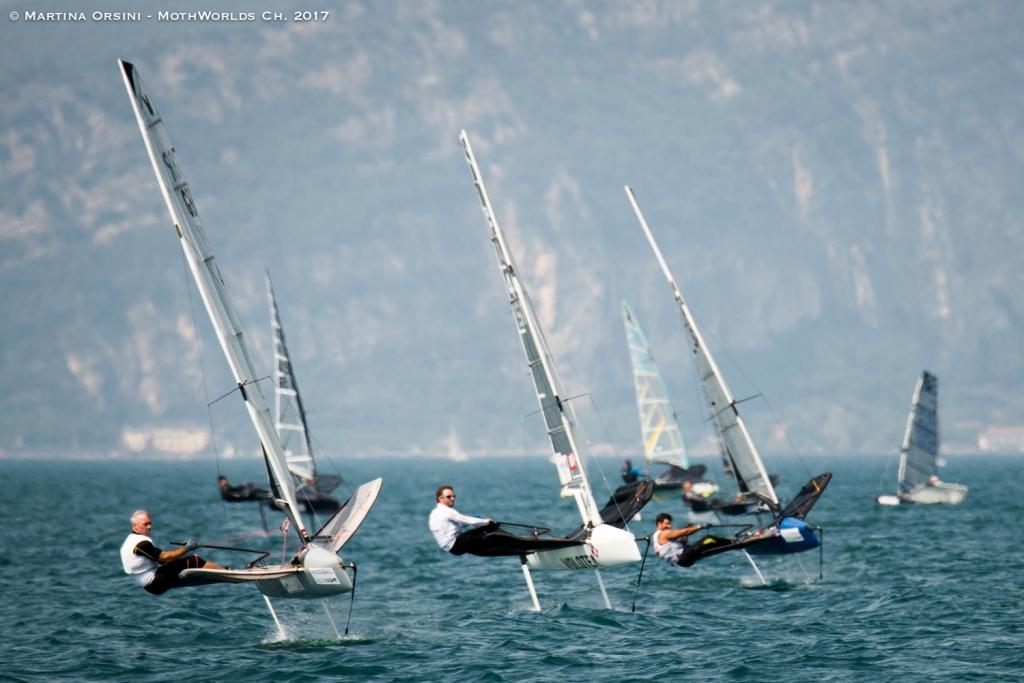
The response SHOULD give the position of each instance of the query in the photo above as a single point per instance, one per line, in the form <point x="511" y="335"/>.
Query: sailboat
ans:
<point x="316" y="570"/>
<point x="290" y="422"/>
<point x="602" y="540"/>
<point x="659" y="426"/>
<point x="919" y="455"/>
<point x="787" y="532"/>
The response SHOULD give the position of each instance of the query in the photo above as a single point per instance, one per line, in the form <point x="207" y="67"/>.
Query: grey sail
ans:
<point x="919" y="453"/>
<point x="290" y="412"/>
<point x="920" y="450"/>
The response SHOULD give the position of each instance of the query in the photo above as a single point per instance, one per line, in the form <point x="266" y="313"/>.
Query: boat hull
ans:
<point x="607" y="546"/>
<point x="790" y="536"/>
<point x="321" y="582"/>
<point x="928" y="494"/>
<point x="279" y="581"/>
<point x="322" y="575"/>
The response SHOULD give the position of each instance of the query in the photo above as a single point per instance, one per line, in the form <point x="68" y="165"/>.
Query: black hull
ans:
<point x="717" y="506"/>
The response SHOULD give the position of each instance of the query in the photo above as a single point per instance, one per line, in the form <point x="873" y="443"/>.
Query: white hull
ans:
<point x="608" y="546"/>
<point x="279" y="581"/>
<point x="942" y="492"/>
<point x="928" y="494"/>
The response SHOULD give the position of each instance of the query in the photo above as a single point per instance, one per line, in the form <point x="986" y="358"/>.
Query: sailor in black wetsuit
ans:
<point x="154" y="569"/>
<point x="233" y="493"/>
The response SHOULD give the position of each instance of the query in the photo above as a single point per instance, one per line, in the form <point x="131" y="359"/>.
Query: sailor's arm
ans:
<point x="172" y="555"/>
<point x="147" y="549"/>
<point x="673" y="534"/>
<point x="468" y="519"/>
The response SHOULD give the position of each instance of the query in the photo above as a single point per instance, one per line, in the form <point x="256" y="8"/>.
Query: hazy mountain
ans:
<point x="836" y="186"/>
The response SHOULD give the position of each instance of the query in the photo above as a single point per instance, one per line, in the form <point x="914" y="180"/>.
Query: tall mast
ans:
<point x="210" y="284"/>
<point x="749" y="470"/>
<point x="559" y="423"/>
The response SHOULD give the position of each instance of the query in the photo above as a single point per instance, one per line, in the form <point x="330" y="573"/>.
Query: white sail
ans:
<point x="747" y="467"/>
<point x="289" y="412"/>
<point x="659" y="427"/>
<point x="210" y="284"/>
<point x="920" y="448"/>
<point x="557" y="418"/>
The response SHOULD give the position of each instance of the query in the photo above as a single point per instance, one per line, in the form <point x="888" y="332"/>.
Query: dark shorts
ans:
<point x="167" y="574"/>
<point x="694" y="552"/>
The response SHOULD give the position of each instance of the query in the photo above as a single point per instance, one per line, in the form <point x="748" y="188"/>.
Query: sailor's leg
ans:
<point x="280" y="629"/>
<point x="529" y="583"/>
<point x="604" y="593"/>
<point x="754" y="565"/>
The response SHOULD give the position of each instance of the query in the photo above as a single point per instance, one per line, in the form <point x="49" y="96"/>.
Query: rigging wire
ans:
<point x="771" y="408"/>
<point x="202" y="374"/>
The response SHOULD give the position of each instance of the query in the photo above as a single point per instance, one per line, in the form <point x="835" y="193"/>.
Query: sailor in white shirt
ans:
<point x="154" y="569"/>
<point x="446" y="523"/>
<point x="673" y="546"/>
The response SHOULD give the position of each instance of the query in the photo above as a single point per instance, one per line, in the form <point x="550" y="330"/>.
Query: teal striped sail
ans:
<point x="659" y="427"/>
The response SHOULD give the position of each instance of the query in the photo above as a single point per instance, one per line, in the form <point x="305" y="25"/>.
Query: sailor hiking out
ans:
<point x="448" y="524"/>
<point x="672" y="545"/>
<point x="154" y="569"/>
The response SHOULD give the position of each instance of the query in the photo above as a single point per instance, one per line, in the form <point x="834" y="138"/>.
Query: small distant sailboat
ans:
<point x="659" y="426"/>
<point x="292" y="429"/>
<point x="919" y="456"/>
<point x="315" y="571"/>
<point x="787" y="532"/>
<point x="453" y="447"/>
<point x="602" y="540"/>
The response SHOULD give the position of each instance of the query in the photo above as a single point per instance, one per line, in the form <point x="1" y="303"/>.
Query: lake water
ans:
<point x="917" y="593"/>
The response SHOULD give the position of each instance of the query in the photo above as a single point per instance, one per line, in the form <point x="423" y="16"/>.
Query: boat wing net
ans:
<point x="495" y="540"/>
<point x="202" y="577"/>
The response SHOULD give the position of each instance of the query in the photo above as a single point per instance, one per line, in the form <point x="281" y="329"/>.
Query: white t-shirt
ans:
<point x="670" y="551"/>
<point x="140" y="567"/>
<point x="446" y="523"/>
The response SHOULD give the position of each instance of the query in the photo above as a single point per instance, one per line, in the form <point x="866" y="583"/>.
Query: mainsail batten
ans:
<point x="559" y="423"/>
<point x="748" y="468"/>
<point x="200" y="258"/>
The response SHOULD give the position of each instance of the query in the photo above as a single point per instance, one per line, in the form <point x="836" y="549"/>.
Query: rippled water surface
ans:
<point x="909" y="594"/>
